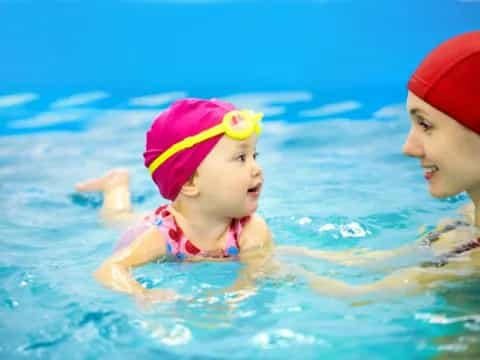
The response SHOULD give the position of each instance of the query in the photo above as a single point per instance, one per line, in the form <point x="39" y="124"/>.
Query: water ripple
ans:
<point x="80" y="99"/>
<point x="285" y="338"/>
<point x="17" y="99"/>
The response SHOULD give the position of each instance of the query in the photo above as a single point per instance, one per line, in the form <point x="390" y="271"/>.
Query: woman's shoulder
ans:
<point x="468" y="212"/>
<point x="450" y="234"/>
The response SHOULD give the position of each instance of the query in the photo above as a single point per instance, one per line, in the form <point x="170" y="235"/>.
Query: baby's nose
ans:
<point x="256" y="169"/>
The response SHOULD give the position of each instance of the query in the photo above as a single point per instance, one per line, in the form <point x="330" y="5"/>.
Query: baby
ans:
<point x="201" y="155"/>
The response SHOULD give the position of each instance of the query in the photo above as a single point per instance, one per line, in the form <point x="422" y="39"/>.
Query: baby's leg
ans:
<point x="115" y="186"/>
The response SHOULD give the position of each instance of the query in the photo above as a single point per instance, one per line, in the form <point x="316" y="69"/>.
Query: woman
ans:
<point x="444" y="106"/>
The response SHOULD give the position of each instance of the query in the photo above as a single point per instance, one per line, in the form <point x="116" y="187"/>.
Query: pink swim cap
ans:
<point x="449" y="79"/>
<point x="186" y="117"/>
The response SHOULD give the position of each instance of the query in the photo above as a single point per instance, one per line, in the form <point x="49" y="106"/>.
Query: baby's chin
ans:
<point x="252" y="210"/>
<point x="248" y="212"/>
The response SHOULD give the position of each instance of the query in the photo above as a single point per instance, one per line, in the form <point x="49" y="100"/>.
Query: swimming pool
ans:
<point x="81" y="85"/>
<point x="335" y="179"/>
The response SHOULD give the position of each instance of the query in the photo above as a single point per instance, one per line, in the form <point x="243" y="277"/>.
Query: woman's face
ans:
<point x="448" y="152"/>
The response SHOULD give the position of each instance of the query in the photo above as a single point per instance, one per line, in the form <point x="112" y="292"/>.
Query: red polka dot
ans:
<point x="177" y="228"/>
<point x="244" y="220"/>
<point x="165" y="213"/>
<point x="192" y="249"/>
<point x="174" y="235"/>
<point x="160" y="208"/>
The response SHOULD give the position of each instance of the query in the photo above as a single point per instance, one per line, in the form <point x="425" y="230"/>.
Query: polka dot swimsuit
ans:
<point x="178" y="246"/>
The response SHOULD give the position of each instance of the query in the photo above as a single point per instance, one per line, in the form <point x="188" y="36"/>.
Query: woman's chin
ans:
<point x="442" y="193"/>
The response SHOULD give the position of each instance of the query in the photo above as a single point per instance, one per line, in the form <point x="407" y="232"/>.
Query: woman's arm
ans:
<point x="115" y="272"/>
<point x="363" y="256"/>
<point x="405" y="281"/>
<point x="353" y="257"/>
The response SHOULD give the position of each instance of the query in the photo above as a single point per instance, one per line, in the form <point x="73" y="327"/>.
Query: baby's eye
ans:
<point x="242" y="157"/>
<point x="255" y="155"/>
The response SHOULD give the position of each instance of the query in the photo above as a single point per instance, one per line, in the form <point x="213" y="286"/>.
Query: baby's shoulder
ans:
<point x="144" y="231"/>
<point x="255" y="233"/>
<point x="143" y="248"/>
<point x="151" y="240"/>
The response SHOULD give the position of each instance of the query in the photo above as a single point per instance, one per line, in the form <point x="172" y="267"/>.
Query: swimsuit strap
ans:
<point x="433" y="236"/>
<point x="177" y="244"/>
<point x="443" y="259"/>
<point x="232" y="247"/>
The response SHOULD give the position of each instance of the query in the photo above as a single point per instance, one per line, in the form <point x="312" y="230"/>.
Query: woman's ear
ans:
<point x="190" y="188"/>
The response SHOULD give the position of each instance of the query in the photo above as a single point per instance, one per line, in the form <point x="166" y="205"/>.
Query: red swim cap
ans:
<point x="449" y="79"/>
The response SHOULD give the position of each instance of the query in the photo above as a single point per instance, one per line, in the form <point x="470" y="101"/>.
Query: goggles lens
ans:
<point x="241" y="124"/>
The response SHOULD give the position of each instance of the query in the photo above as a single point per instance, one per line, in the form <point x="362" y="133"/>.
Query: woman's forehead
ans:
<point x="413" y="101"/>
<point x="416" y="105"/>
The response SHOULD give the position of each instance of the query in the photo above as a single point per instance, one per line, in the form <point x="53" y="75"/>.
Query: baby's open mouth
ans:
<point x="255" y="188"/>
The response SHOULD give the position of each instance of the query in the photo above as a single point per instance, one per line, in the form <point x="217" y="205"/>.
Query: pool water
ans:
<point x="335" y="179"/>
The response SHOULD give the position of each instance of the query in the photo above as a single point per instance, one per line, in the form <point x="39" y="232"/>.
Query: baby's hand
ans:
<point x="238" y="296"/>
<point x="152" y="296"/>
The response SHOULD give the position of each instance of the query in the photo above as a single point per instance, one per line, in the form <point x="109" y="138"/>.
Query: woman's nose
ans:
<point x="413" y="145"/>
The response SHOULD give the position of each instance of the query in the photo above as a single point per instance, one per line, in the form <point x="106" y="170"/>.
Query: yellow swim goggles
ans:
<point x="236" y="124"/>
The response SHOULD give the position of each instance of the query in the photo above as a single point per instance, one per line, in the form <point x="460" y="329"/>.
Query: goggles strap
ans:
<point x="186" y="143"/>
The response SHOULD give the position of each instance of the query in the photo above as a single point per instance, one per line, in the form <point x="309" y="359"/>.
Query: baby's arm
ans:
<point x="115" y="272"/>
<point x="256" y="246"/>
<point x="256" y="235"/>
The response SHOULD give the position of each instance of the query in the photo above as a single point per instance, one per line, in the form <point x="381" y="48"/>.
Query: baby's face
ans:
<point x="230" y="179"/>
<point x="448" y="151"/>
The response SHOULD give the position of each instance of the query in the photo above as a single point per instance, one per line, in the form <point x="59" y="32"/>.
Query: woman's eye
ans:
<point x="424" y="124"/>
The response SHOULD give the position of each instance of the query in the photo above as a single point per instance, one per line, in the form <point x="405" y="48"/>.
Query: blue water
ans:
<point x="80" y="83"/>
<point x="335" y="178"/>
